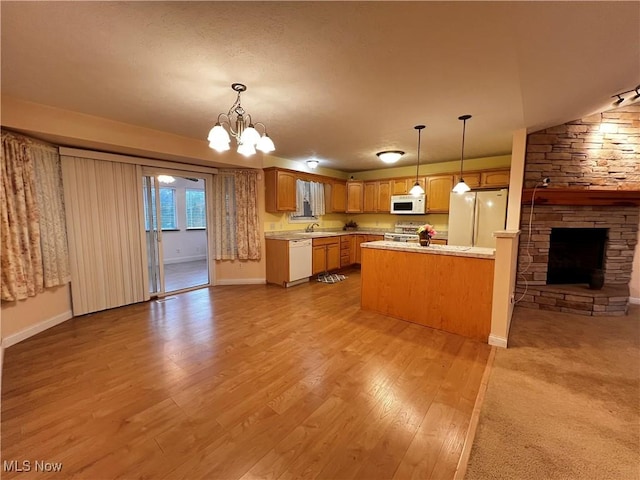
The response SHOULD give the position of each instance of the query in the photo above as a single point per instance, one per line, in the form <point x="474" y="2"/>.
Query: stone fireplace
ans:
<point x="586" y="220"/>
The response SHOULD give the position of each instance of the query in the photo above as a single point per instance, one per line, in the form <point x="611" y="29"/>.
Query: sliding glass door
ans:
<point x="176" y="231"/>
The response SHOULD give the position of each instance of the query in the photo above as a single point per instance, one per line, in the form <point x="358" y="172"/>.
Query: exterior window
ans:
<point x="167" y="208"/>
<point x="196" y="211"/>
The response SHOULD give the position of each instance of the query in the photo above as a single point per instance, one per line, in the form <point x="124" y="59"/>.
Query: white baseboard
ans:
<point x="35" y="329"/>
<point x="193" y="258"/>
<point x="497" y="341"/>
<point x="634" y="300"/>
<point x="241" y="281"/>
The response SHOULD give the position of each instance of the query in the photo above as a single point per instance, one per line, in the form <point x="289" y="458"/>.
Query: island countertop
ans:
<point x="473" y="252"/>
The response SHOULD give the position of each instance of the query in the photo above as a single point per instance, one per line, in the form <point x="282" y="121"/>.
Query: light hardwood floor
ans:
<point x="185" y="275"/>
<point x="242" y="382"/>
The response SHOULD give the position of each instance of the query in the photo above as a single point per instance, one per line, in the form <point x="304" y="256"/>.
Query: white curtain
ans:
<point x="224" y="213"/>
<point x="300" y="197"/>
<point x="104" y="227"/>
<point x="317" y="199"/>
<point x="53" y="232"/>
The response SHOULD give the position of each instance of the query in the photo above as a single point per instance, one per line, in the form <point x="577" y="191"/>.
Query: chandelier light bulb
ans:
<point x="265" y="144"/>
<point x="250" y="136"/>
<point x="246" y="149"/>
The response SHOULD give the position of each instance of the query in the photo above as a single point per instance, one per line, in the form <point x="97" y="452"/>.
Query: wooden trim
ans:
<point x="576" y="196"/>
<point x="463" y="462"/>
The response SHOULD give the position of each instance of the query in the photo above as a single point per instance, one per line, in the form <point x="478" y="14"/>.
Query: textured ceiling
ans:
<point x="336" y="80"/>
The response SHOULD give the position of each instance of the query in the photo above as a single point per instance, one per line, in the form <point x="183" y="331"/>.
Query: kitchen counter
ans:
<point x="474" y="252"/>
<point x="296" y="235"/>
<point x="444" y="287"/>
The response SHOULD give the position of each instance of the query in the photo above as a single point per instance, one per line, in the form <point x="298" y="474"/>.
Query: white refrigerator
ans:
<point x="474" y="216"/>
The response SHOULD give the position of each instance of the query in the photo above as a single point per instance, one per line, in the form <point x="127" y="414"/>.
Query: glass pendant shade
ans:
<point x="461" y="187"/>
<point x="265" y="144"/>
<point x="390" y="156"/>
<point x="416" y="190"/>
<point x="246" y="149"/>
<point x="219" y="138"/>
<point x="250" y="136"/>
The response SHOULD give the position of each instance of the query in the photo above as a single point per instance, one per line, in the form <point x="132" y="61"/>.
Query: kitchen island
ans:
<point x="444" y="287"/>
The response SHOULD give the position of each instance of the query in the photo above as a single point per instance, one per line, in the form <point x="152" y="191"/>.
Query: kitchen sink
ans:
<point x="315" y="234"/>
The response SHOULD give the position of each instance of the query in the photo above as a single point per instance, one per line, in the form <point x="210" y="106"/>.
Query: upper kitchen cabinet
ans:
<point x="438" y="190"/>
<point x="280" y="191"/>
<point x="494" y="179"/>
<point x="355" y="196"/>
<point x="470" y="178"/>
<point x="377" y="196"/>
<point x="384" y="196"/>
<point x="399" y="186"/>
<point x="335" y="196"/>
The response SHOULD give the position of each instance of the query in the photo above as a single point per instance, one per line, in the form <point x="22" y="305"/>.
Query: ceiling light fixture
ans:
<point x="312" y="163"/>
<point x="619" y="96"/>
<point x="417" y="190"/>
<point x="241" y="128"/>
<point x="390" y="156"/>
<point x="461" y="186"/>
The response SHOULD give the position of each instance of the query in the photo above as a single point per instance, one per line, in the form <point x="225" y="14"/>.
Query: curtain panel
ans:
<point x="247" y="228"/>
<point x="224" y="216"/>
<point x="22" y="270"/>
<point x="53" y="231"/>
<point x="235" y="207"/>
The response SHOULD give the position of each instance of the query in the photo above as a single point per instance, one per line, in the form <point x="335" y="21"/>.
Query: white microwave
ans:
<point x="408" y="204"/>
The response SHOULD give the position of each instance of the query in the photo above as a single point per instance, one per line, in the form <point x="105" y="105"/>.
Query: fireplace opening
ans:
<point x="574" y="254"/>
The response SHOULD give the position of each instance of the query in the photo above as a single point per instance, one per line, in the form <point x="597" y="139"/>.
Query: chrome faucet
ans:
<point x="310" y="227"/>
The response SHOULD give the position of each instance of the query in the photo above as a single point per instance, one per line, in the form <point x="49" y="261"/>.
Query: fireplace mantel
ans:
<point x="580" y="196"/>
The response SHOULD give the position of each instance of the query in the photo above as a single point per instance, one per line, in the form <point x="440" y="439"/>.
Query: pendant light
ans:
<point x="461" y="186"/>
<point x="417" y="190"/>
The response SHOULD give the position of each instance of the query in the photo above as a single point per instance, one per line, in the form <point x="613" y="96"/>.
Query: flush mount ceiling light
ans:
<point x="238" y="123"/>
<point x="390" y="156"/>
<point x="417" y="190"/>
<point x="312" y="163"/>
<point x="461" y="186"/>
<point x="619" y="96"/>
<point x="166" y="179"/>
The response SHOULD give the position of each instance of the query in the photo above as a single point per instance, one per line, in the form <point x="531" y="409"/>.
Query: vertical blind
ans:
<point x="102" y="201"/>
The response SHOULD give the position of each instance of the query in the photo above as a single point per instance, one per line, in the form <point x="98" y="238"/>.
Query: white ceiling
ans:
<point x="336" y="80"/>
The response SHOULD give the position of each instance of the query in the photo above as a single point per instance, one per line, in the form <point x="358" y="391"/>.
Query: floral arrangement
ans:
<point x="350" y="225"/>
<point x="427" y="229"/>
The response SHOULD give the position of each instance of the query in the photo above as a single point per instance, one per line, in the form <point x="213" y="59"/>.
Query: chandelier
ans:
<point x="239" y="124"/>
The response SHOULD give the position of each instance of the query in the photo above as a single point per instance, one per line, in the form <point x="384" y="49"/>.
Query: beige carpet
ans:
<point x="563" y="401"/>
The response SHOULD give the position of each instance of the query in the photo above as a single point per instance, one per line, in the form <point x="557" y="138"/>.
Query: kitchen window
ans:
<point x="309" y="201"/>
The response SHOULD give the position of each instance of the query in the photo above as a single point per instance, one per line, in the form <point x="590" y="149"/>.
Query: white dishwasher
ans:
<point x="300" y="252"/>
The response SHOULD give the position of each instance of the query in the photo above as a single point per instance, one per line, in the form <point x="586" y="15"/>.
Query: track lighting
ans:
<point x="619" y="96"/>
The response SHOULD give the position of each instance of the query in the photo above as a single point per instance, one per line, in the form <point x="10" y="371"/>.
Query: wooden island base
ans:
<point x="450" y="293"/>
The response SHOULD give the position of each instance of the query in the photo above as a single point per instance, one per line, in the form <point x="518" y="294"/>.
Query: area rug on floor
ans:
<point x="331" y="277"/>
<point x="562" y="401"/>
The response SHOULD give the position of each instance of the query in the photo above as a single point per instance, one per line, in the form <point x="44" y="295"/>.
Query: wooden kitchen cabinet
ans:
<point x="399" y="186"/>
<point x="471" y="178"/>
<point x="374" y="238"/>
<point x="335" y="197"/>
<point x="495" y="179"/>
<point x="345" y="251"/>
<point x="384" y="196"/>
<point x="325" y="254"/>
<point x="438" y="191"/>
<point x="355" y="196"/>
<point x="370" y="197"/>
<point x="358" y="251"/>
<point x="280" y="191"/>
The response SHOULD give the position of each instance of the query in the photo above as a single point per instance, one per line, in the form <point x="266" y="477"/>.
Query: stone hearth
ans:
<point x="611" y="300"/>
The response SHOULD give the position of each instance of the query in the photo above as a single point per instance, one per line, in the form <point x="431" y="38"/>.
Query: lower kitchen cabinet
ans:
<point x="326" y="255"/>
<point x="345" y="251"/>
<point x="288" y="261"/>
